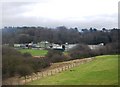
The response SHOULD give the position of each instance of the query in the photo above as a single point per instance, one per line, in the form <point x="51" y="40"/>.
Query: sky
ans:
<point x="54" y="13"/>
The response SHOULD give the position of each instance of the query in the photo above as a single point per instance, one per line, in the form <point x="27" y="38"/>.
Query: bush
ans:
<point x="27" y="54"/>
<point x="81" y="51"/>
<point x="24" y="70"/>
<point x="13" y="62"/>
<point x="8" y="51"/>
<point x="55" y="56"/>
<point x="37" y="63"/>
<point x="9" y="64"/>
<point x="111" y="48"/>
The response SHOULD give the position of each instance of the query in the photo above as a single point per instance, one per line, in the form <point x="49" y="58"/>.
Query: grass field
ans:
<point x="101" y="71"/>
<point x="34" y="52"/>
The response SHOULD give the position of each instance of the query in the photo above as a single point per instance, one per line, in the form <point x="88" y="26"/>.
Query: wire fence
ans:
<point x="40" y="75"/>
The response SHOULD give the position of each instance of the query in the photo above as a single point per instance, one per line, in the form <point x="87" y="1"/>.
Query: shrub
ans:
<point x="24" y="70"/>
<point x="110" y="48"/>
<point x="55" y="56"/>
<point x="80" y="51"/>
<point x="8" y="51"/>
<point x="37" y="63"/>
<point x="26" y="54"/>
<point x="13" y="62"/>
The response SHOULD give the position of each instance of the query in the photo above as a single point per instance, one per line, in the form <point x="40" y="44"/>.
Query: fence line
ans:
<point x="39" y="75"/>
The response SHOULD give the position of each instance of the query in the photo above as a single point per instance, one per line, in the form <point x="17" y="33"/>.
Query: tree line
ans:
<point x="60" y="35"/>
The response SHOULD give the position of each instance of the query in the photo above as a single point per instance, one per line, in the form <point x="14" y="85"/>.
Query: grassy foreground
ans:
<point x="34" y="52"/>
<point x="101" y="71"/>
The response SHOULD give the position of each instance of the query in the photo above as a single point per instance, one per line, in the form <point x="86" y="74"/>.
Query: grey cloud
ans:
<point x="11" y="15"/>
<point x="53" y="23"/>
<point x="14" y="7"/>
<point x="96" y="21"/>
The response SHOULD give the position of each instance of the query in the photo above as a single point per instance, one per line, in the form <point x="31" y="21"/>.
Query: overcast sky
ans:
<point x="53" y="13"/>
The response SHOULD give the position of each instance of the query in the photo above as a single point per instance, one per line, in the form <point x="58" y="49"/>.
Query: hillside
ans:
<point x="101" y="71"/>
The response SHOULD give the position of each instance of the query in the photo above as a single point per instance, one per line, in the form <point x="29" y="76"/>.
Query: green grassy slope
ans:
<point x="34" y="52"/>
<point x="101" y="71"/>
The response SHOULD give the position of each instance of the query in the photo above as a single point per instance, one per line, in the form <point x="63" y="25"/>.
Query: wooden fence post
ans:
<point x="73" y="65"/>
<point x="69" y="66"/>
<point x="51" y="72"/>
<point x="78" y="63"/>
<point x="63" y="68"/>
<point x="47" y="73"/>
<point x="11" y="82"/>
<point x="31" y="78"/>
<point x="25" y="79"/>
<point x="59" y="70"/>
<point x="41" y="74"/>
<point x="37" y="75"/>
<point x="18" y="81"/>
<point x="56" y="70"/>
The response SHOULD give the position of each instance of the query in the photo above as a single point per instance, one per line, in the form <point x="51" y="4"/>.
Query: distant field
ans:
<point x="34" y="52"/>
<point x="101" y="71"/>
